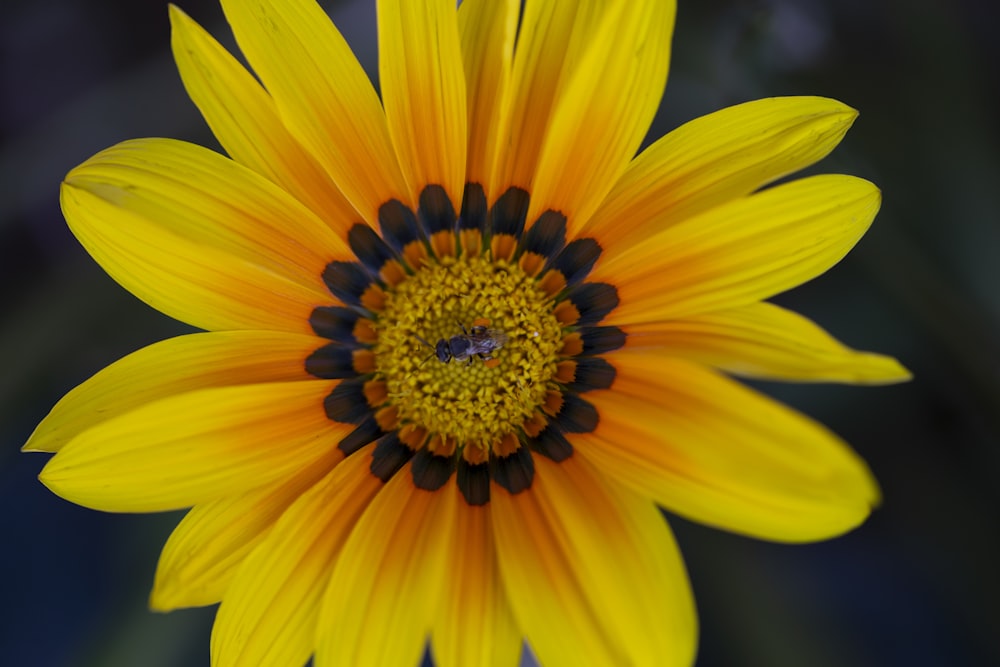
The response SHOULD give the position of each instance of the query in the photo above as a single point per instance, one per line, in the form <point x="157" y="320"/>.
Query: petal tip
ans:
<point x="157" y="606"/>
<point x="860" y="499"/>
<point x="883" y="369"/>
<point x="859" y="193"/>
<point x="66" y="483"/>
<point x="160" y="600"/>
<point x="845" y="111"/>
<point x="70" y="180"/>
<point x="180" y="26"/>
<point x="83" y="176"/>
<point x="36" y="442"/>
<point x="824" y="107"/>
<point x="874" y="199"/>
<point x="52" y="480"/>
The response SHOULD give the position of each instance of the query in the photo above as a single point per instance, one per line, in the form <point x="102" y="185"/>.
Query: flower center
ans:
<point x="464" y="341"/>
<point x="466" y="399"/>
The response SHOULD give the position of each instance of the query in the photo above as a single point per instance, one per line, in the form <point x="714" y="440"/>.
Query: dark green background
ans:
<point x="916" y="585"/>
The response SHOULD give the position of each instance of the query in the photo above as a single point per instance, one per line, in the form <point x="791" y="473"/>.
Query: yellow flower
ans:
<point x="460" y="342"/>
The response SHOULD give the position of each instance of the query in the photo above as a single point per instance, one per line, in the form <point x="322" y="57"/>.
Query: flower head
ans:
<point x="460" y="341"/>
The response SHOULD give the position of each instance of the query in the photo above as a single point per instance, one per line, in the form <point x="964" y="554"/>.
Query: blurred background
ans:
<point x="918" y="584"/>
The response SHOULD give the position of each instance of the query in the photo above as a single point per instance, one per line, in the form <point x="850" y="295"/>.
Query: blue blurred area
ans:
<point x="916" y="586"/>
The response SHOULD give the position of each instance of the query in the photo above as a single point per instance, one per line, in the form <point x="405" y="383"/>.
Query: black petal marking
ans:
<point x="367" y="432"/>
<point x="347" y="281"/>
<point x="599" y="340"/>
<point x="552" y="444"/>
<point x="514" y="472"/>
<point x="474" y="482"/>
<point x="430" y="471"/>
<point x="547" y="236"/>
<point x="335" y="323"/>
<point x="436" y="212"/>
<point x="397" y="224"/>
<point x="592" y="373"/>
<point x="509" y="211"/>
<point x="473" y="208"/>
<point x="331" y="362"/>
<point x="576" y="415"/>
<point x="577" y="259"/>
<point x="347" y="403"/>
<point x="389" y="457"/>
<point x="369" y="247"/>
<point x="594" y="301"/>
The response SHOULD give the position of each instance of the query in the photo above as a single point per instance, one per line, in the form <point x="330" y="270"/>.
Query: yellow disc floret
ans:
<point x="467" y="401"/>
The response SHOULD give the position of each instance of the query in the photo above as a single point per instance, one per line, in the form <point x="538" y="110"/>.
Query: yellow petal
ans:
<point x="762" y="340"/>
<point x="592" y="571"/>
<point x="475" y="625"/>
<point x="268" y="615"/>
<point x="740" y="252"/>
<point x="714" y="159"/>
<point x="195" y="447"/>
<point x="713" y="451"/>
<point x="488" y="29"/>
<point x="199" y="237"/>
<point x="174" y="366"/>
<point x="209" y="544"/>
<point x="245" y="121"/>
<point x="551" y="43"/>
<point x="604" y="110"/>
<point x="323" y="96"/>
<point x="387" y="586"/>
<point x="423" y="89"/>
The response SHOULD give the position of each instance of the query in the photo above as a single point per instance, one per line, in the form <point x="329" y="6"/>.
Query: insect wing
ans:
<point x="486" y="340"/>
<point x="499" y="338"/>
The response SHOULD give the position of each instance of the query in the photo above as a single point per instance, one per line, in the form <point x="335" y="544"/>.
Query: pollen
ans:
<point x="475" y="402"/>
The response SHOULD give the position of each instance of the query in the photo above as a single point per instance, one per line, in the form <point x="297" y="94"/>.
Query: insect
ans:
<point x="478" y="341"/>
